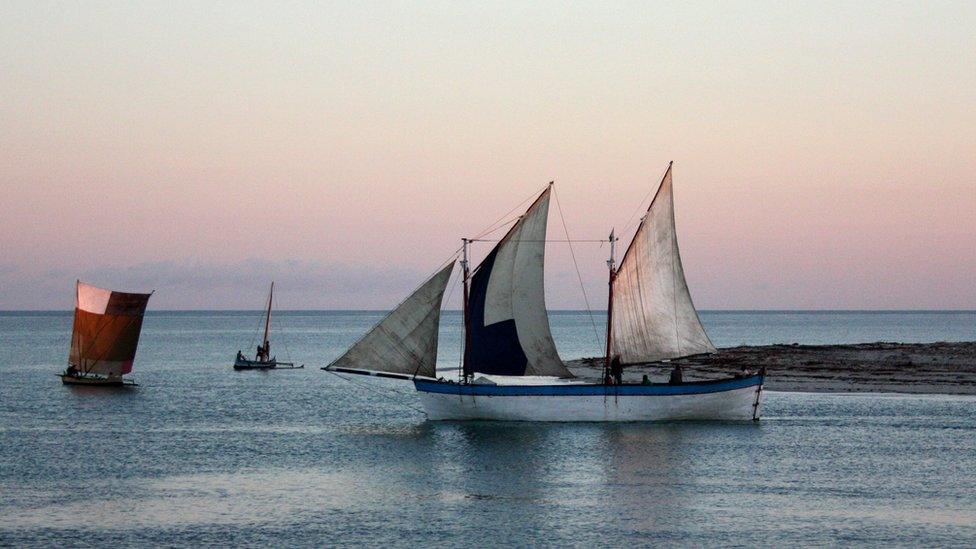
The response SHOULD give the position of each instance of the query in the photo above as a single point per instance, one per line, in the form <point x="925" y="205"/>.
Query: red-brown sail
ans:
<point x="106" y="330"/>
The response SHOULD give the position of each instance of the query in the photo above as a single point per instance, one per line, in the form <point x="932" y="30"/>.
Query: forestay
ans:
<point x="405" y="341"/>
<point x="653" y="314"/>
<point x="106" y="330"/>
<point x="508" y="324"/>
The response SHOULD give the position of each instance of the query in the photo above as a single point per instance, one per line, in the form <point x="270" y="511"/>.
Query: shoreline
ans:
<point x="882" y="367"/>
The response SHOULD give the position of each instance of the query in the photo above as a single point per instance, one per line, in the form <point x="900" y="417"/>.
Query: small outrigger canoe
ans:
<point x="242" y="363"/>
<point x="262" y="358"/>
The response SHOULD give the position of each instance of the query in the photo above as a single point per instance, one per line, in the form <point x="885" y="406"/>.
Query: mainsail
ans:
<point x="106" y="330"/>
<point x="405" y="341"/>
<point x="507" y="321"/>
<point x="653" y="315"/>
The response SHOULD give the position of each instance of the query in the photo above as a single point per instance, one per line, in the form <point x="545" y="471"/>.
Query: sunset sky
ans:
<point x="825" y="153"/>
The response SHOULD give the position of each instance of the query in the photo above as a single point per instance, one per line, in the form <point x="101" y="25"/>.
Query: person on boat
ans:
<point x="71" y="371"/>
<point x="617" y="370"/>
<point x="675" y="378"/>
<point x="264" y="352"/>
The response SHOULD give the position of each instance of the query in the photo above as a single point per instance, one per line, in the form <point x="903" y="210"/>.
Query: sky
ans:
<point x="824" y="152"/>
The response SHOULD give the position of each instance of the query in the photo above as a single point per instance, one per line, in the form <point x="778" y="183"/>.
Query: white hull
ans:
<point x="740" y="404"/>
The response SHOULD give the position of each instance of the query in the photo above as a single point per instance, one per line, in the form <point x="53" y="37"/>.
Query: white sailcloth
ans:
<point x="654" y="317"/>
<point x="405" y="341"/>
<point x="515" y="295"/>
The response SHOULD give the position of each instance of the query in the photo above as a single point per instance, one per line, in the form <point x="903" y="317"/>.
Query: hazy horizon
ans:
<point x="824" y="152"/>
<point x="551" y="311"/>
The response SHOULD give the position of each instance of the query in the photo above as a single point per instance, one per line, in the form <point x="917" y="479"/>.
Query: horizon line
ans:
<point x="594" y="311"/>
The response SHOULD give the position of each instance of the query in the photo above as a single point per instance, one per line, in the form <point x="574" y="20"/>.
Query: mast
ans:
<point x="267" y="320"/>
<point x="75" y="344"/>
<point x="613" y="274"/>
<point x="464" y="311"/>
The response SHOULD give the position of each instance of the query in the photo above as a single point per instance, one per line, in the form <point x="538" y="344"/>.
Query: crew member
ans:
<point x="617" y="370"/>
<point x="675" y="375"/>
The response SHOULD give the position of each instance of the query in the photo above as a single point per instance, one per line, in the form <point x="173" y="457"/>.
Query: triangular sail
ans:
<point x="106" y="330"/>
<point x="508" y="324"/>
<point x="654" y="317"/>
<point x="267" y="319"/>
<point x="405" y="341"/>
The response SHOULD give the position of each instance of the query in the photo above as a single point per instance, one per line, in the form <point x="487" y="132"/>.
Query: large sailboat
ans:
<point x="104" y="336"/>
<point x="263" y="360"/>
<point x="511" y="369"/>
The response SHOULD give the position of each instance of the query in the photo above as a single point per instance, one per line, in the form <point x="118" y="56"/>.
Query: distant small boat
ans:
<point x="104" y="336"/>
<point x="262" y="357"/>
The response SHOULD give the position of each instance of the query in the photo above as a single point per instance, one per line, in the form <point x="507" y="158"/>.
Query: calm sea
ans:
<point x="202" y="455"/>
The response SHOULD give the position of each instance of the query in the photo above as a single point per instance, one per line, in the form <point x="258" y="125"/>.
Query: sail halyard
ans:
<point x="404" y="342"/>
<point x="508" y="326"/>
<point x="654" y="317"/>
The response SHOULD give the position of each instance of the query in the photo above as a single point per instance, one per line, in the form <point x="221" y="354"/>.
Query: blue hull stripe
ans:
<point x="655" y="389"/>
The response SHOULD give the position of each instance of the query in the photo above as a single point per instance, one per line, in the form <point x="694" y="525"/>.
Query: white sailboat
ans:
<point x="263" y="360"/>
<point x="511" y="369"/>
<point x="104" y="336"/>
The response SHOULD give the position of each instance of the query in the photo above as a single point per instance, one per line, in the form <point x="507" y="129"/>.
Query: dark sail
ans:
<point x="508" y="324"/>
<point x="106" y="330"/>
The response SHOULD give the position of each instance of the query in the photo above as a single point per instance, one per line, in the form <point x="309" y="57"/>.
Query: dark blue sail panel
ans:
<point x="493" y="349"/>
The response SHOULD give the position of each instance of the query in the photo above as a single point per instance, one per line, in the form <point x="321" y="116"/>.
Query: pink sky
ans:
<point x="825" y="154"/>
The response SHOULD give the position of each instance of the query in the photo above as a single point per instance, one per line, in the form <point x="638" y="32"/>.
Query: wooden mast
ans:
<point x="267" y="320"/>
<point x="609" y="345"/>
<point x="464" y="312"/>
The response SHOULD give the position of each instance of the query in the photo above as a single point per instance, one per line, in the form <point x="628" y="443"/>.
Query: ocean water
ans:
<point x="202" y="455"/>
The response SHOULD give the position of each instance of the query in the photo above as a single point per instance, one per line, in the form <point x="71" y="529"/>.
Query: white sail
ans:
<point x="509" y="326"/>
<point x="405" y="341"/>
<point x="654" y="317"/>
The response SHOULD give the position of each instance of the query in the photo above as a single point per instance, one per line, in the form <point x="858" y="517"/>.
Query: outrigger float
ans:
<point x="511" y="370"/>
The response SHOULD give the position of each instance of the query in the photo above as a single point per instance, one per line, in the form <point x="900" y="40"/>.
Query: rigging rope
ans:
<point x="370" y="388"/>
<point x="637" y="210"/>
<point x="254" y="335"/>
<point x="579" y="277"/>
<point x="566" y="240"/>
<point x="450" y="294"/>
<point x="284" y="342"/>
<point x="492" y="228"/>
